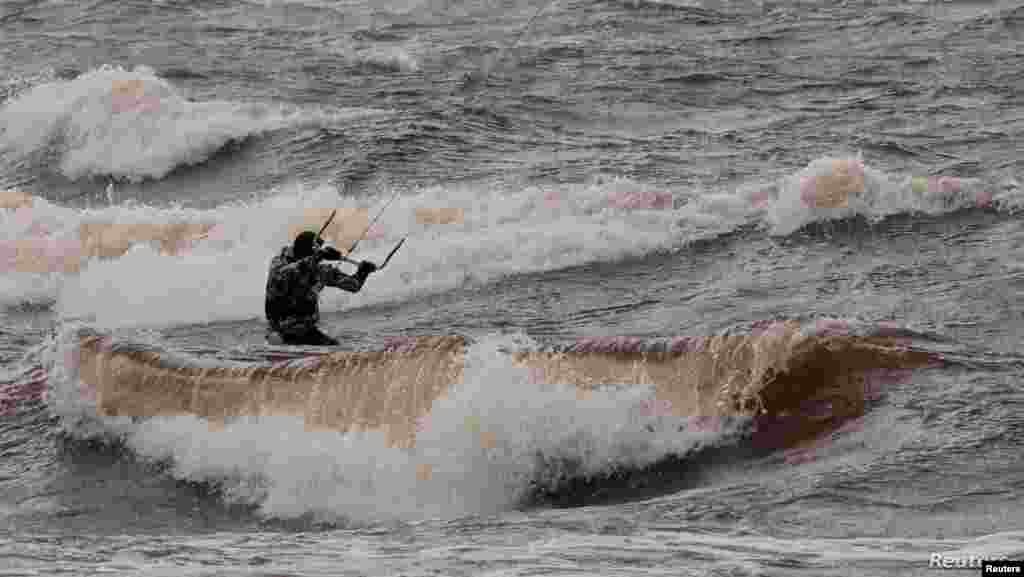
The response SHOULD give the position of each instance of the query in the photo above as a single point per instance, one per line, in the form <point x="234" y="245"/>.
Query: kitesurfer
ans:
<point x="296" y="278"/>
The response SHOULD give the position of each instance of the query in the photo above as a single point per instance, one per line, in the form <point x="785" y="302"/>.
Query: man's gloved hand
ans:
<point x="366" y="267"/>
<point x="329" y="253"/>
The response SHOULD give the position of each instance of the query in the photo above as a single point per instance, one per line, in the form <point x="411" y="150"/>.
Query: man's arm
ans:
<point x="333" y="277"/>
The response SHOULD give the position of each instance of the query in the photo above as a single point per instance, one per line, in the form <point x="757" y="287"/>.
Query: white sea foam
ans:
<point x="479" y="451"/>
<point x="133" y="124"/>
<point x="504" y="230"/>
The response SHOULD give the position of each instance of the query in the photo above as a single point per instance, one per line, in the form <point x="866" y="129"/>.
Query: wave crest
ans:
<point x="128" y="124"/>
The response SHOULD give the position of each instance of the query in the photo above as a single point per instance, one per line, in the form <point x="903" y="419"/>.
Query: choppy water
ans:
<point x="246" y="114"/>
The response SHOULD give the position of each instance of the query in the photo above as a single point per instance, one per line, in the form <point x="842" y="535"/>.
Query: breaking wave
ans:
<point x="131" y="124"/>
<point x="442" y="427"/>
<point x="174" y="258"/>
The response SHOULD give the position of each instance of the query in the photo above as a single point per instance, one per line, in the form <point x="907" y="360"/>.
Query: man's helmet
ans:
<point x="305" y="244"/>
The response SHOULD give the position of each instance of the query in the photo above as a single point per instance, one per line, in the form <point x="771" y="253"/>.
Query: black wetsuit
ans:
<point x="293" y="296"/>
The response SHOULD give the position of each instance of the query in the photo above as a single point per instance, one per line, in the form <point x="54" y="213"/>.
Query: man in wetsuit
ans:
<point x="296" y="278"/>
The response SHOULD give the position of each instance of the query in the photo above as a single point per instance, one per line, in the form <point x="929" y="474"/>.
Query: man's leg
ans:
<point x="322" y="339"/>
<point x="296" y="331"/>
<point x="311" y="338"/>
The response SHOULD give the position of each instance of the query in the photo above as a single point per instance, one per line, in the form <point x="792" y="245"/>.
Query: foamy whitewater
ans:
<point x="627" y="179"/>
<point x="289" y="471"/>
